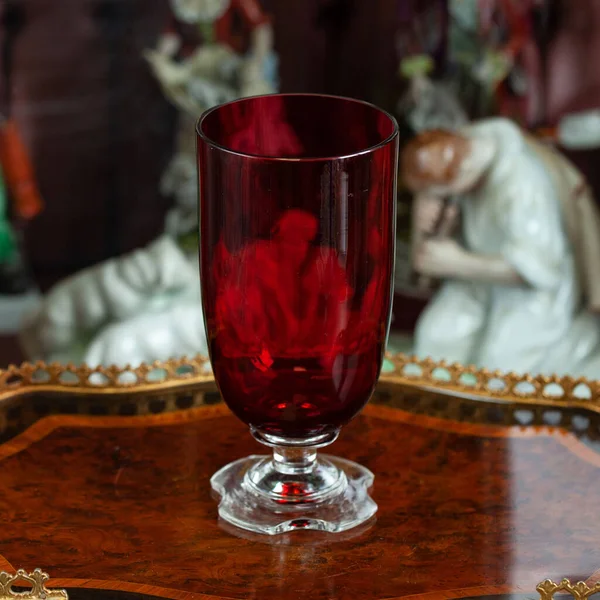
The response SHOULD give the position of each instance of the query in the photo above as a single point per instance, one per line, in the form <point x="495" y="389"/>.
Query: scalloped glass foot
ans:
<point x="256" y="496"/>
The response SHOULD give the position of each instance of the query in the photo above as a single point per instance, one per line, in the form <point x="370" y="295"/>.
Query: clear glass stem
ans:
<point x="294" y="461"/>
<point x="295" y="474"/>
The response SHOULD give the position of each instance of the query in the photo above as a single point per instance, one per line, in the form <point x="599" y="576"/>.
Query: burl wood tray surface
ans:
<point x="483" y="490"/>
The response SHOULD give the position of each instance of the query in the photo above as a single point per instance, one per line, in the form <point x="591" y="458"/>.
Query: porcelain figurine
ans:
<point x="138" y="308"/>
<point x="521" y="280"/>
<point x="212" y="51"/>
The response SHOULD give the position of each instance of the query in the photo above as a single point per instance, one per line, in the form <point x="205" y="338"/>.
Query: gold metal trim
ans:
<point x="72" y="379"/>
<point x="578" y="591"/>
<point x="404" y="370"/>
<point x="511" y="387"/>
<point x="36" y="580"/>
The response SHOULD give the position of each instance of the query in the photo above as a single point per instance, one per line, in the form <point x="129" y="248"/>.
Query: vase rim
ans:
<point x="265" y="157"/>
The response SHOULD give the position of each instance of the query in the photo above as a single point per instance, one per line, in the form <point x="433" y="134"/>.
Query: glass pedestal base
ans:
<point x="272" y="496"/>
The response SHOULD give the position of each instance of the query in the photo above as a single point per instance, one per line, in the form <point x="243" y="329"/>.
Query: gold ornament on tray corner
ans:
<point x="36" y="581"/>
<point x="579" y="591"/>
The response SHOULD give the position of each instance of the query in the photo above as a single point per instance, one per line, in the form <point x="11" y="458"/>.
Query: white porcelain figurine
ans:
<point x="521" y="279"/>
<point x="137" y="308"/>
<point x="200" y="63"/>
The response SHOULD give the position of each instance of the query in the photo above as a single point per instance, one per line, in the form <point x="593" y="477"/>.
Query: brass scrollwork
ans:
<point x="35" y="580"/>
<point x="578" y="591"/>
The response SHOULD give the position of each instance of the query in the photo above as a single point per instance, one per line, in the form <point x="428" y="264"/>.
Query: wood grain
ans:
<point x="123" y="503"/>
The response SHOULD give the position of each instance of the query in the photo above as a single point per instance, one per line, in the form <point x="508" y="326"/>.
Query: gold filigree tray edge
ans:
<point x="402" y="370"/>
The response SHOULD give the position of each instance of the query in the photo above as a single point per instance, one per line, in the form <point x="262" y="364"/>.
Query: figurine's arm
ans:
<point x="262" y="41"/>
<point x="261" y="29"/>
<point x="427" y="211"/>
<point x="432" y="216"/>
<point x="261" y="47"/>
<point x="446" y="259"/>
<point x="169" y="42"/>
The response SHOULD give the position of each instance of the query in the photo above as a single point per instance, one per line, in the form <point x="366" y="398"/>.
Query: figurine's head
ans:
<point x="445" y="163"/>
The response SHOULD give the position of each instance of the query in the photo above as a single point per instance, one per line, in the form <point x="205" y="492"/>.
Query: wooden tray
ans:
<point x="483" y="492"/>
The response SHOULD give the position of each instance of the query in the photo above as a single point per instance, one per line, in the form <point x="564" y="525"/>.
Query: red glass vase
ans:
<point x="297" y="234"/>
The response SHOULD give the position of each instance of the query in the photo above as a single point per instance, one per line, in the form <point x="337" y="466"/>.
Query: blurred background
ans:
<point x="95" y="124"/>
<point x="100" y="131"/>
